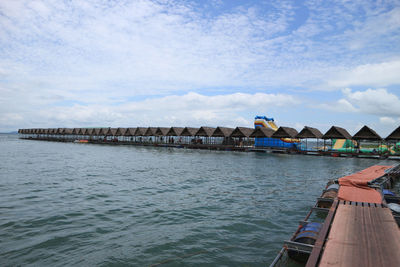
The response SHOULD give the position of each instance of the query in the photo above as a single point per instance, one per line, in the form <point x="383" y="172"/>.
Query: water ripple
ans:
<point x="85" y="205"/>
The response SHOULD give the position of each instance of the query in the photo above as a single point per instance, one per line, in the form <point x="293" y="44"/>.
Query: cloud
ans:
<point x="377" y="102"/>
<point x="374" y="101"/>
<point x="376" y="75"/>
<point x="191" y="109"/>
<point x="110" y="59"/>
<point x="388" y="120"/>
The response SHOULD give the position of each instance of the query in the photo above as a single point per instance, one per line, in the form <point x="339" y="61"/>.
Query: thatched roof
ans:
<point x="67" y="131"/>
<point x="89" y="131"/>
<point x="189" y="131"/>
<point x="111" y="131"/>
<point x="121" y="131"/>
<point x="59" y="130"/>
<point x="336" y="132"/>
<point x="140" y="131"/>
<point x="242" y="132"/>
<point x="130" y="131"/>
<point x="162" y="131"/>
<point x="82" y="131"/>
<point x="151" y="131"/>
<point x="205" y="131"/>
<point x="96" y="131"/>
<point x="175" y="131"/>
<point x="309" y="132"/>
<point x="103" y="131"/>
<point x="75" y="130"/>
<point x="394" y="136"/>
<point x="285" y="132"/>
<point x="366" y="133"/>
<point x="222" y="132"/>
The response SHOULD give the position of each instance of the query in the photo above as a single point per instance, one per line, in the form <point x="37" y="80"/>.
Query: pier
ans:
<point x="336" y="142"/>
<point x="361" y="224"/>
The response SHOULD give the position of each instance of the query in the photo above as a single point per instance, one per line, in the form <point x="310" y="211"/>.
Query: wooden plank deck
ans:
<point x="362" y="234"/>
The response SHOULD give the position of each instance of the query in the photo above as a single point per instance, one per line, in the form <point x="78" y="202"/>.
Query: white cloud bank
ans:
<point x="375" y="75"/>
<point x="61" y="57"/>
<point x="191" y="109"/>
<point x="377" y="102"/>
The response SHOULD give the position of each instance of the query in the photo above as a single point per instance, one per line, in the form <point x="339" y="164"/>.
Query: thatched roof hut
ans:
<point x="150" y="131"/>
<point x="140" y="131"/>
<point x="222" y="132"/>
<point x="394" y="136"/>
<point x="96" y="131"/>
<point x="121" y="131"/>
<point x="262" y="132"/>
<point x="59" y="130"/>
<point x="285" y="132"/>
<point x="189" y="131"/>
<point x="366" y="133"/>
<point x="75" y="131"/>
<point x="205" y="131"/>
<point x="130" y="131"/>
<point x="89" y="131"/>
<point x="103" y="131"/>
<point x="336" y="132"/>
<point x="162" y="131"/>
<point x="309" y="132"/>
<point x="67" y="131"/>
<point x="242" y="132"/>
<point x="111" y="131"/>
<point x="175" y="131"/>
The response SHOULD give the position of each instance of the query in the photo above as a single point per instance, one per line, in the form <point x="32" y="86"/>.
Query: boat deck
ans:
<point x="361" y="234"/>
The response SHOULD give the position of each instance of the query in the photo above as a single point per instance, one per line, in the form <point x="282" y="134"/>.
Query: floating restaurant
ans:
<point x="265" y="137"/>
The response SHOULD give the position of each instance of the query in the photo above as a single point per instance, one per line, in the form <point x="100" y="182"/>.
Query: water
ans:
<point x="82" y="204"/>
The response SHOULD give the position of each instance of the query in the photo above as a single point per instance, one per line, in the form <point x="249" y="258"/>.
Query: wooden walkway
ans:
<point x="361" y="234"/>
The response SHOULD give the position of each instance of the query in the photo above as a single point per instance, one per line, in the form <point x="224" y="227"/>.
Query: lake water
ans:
<point x="85" y="205"/>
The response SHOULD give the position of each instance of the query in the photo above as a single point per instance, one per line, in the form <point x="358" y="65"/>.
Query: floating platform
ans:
<point x="360" y="228"/>
<point x="361" y="234"/>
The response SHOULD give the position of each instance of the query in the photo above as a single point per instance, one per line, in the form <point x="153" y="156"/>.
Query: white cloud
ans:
<point x="377" y="75"/>
<point x="342" y="105"/>
<point x="377" y="102"/>
<point x="374" y="101"/>
<point x="191" y="109"/>
<point x="388" y="120"/>
<point x="97" y="56"/>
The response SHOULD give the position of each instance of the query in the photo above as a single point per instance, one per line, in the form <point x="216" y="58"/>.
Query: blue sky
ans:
<point x="194" y="63"/>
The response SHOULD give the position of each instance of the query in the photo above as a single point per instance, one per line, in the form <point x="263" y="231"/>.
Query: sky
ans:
<point x="199" y="63"/>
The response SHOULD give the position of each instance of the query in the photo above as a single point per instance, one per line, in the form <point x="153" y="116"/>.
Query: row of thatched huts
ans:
<point x="335" y="132"/>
